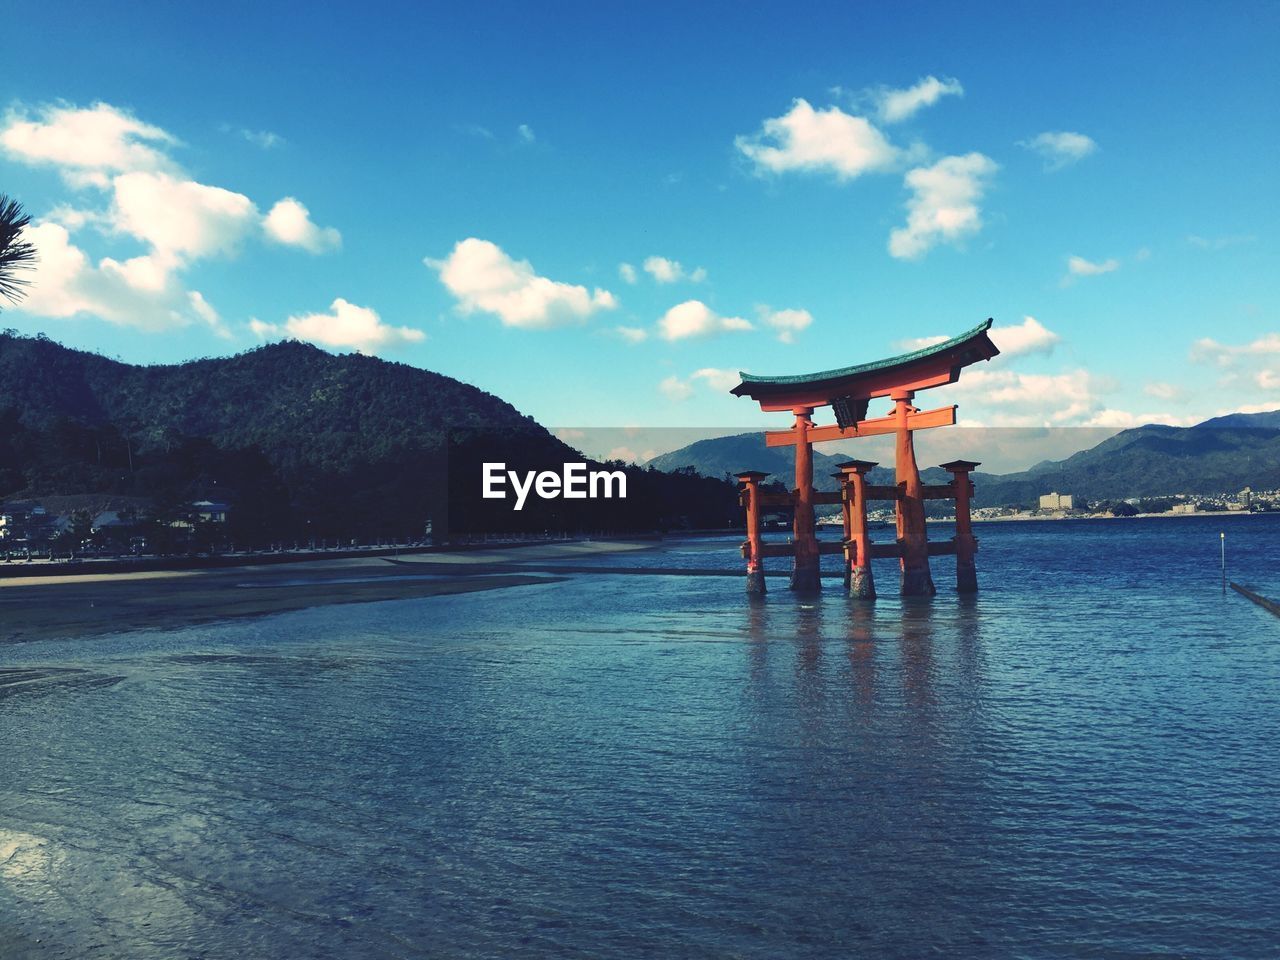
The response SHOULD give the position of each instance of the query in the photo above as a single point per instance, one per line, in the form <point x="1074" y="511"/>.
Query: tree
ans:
<point x="16" y="254"/>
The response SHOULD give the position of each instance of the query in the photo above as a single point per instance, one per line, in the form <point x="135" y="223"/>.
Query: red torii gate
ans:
<point x="848" y="392"/>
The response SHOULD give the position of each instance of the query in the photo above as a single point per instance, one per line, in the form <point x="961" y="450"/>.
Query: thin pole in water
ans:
<point x="1222" y="535"/>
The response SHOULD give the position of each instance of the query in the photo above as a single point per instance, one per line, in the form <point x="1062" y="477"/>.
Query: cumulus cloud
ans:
<point x="944" y="204"/>
<point x="632" y="334"/>
<point x="788" y="323"/>
<point x="1060" y="148"/>
<point x="526" y="134"/>
<point x="86" y="144"/>
<point x="1029" y="336"/>
<point x="180" y="219"/>
<point x="145" y="196"/>
<point x="345" y="326"/>
<point x="1080" y="267"/>
<point x="898" y="105"/>
<point x="1034" y="399"/>
<point x="627" y="272"/>
<point x="714" y="378"/>
<point x="664" y="270"/>
<point x="289" y="223"/>
<point x="136" y="293"/>
<point x="483" y="278"/>
<point x="829" y="141"/>
<point x="693" y="318"/>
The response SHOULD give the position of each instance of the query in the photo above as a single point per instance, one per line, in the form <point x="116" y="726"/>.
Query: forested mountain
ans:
<point x="296" y="439"/>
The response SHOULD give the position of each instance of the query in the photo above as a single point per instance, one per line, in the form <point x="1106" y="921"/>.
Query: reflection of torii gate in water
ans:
<point x="847" y="391"/>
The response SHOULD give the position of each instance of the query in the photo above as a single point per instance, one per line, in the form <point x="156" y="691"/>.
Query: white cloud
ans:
<point x="1080" y="267"/>
<point x="1268" y="379"/>
<point x="265" y="139"/>
<point x="1210" y="351"/>
<point x="627" y="272"/>
<point x="136" y="293"/>
<point x="943" y="205"/>
<point x="1012" y="399"/>
<point x="483" y="278"/>
<point x="1124" y="420"/>
<point x="180" y="219"/>
<point x="663" y="270"/>
<point x="289" y="223"/>
<point x="693" y="318"/>
<point x="149" y="198"/>
<point x="673" y="388"/>
<point x="715" y="379"/>
<point x="1060" y="148"/>
<point x="1164" y="391"/>
<point x="632" y="334"/>
<point x="1220" y="243"/>
<point x="526" y="134"/>
<point x="87" y="144"/>
<point x="827" y="140"/>
<point x="1029" y="336"/>
<point x="719" y="380"/>
<point x="912" y="344"/>
<point x="788" y="323"/>
<point x="346" y="325"/>
<point x="897" y="105"/>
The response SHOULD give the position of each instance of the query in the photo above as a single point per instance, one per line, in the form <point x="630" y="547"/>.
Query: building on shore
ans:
<point x="1057" y="501"/>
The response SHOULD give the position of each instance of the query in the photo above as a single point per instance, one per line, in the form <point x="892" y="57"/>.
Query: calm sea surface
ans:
<point x="1083" y="761"/>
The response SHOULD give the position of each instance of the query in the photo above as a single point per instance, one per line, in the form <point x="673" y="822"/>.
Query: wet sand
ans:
<point x="86" y="604"/>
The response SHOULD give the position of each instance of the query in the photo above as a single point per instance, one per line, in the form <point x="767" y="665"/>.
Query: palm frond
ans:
<point x="16" y="254"/>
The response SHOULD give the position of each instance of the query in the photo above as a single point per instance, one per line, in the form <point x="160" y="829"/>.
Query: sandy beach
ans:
<point x="86" y="604"/>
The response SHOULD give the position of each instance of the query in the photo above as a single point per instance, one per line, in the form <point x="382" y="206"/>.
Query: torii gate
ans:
<point x="848" y="391"/>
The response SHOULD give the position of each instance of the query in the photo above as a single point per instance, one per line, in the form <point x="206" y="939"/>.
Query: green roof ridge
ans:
<point x="856" y="369"/>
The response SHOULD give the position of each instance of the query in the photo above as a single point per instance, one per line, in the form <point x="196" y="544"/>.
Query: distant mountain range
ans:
<point x="1220" y="455"/>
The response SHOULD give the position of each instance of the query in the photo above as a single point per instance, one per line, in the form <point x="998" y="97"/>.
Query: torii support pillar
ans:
<point x="846" y="516"/>
<point x="805" y="576"/>
<point x="912" y="533"/>
<point x="750" y="499"/>
<point x="858" y="576"/>
<point x="966" y="543"/>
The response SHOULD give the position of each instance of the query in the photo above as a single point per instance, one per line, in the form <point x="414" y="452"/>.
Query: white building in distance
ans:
<point x="1056" y="501"/>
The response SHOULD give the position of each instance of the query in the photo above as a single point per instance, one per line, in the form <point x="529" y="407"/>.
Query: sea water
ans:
<point x="1081" y="761"/>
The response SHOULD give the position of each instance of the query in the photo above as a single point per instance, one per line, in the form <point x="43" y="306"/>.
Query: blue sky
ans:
<point x="810" y="186"/>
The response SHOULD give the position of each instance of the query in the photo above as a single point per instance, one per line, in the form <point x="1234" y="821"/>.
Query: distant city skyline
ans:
<point x="603" y="215"/>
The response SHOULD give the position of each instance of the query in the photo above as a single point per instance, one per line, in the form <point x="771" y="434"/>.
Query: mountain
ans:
<point x="726" y="456"/>
<point x="299" y="441"/>
<point x="1266" y="421"/>
<point x="1220" y="455"/>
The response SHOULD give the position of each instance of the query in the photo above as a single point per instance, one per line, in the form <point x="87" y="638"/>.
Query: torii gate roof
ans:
<point x="930" y="366"/>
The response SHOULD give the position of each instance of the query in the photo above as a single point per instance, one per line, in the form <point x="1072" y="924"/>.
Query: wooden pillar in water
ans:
<point x="805" y="574"/>
<point x="858" y="540"/>
<point x="912" y="533"/>
<point x="750" y="499"/>
<point x="846" y="517"/>
<point x="966" y="543"/>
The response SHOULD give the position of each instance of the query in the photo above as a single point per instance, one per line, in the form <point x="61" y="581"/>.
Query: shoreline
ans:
<point x="85" y="603"/>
